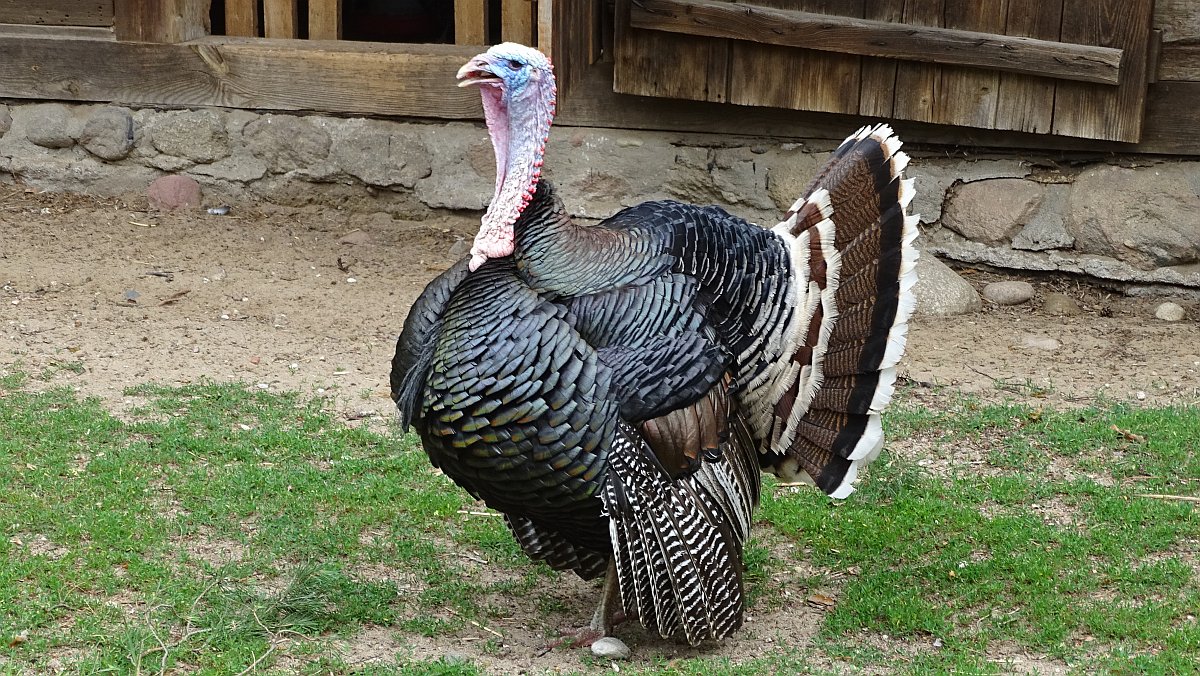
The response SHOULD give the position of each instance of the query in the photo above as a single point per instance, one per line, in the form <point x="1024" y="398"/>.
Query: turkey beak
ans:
<point x="477" y="71"/>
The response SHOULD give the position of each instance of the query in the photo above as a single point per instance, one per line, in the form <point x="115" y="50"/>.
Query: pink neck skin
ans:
<point x="519" y="126"/>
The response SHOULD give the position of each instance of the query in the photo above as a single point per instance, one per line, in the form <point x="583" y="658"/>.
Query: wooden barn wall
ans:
<point x="58" y="12"/>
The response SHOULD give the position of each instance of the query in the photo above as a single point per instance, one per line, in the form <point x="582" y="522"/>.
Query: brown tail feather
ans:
<point x="863" y="279"/>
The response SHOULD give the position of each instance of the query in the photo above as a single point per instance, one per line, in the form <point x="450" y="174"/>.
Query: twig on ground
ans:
<point x="1162" y="496"/>
<point x="489" y="630"/>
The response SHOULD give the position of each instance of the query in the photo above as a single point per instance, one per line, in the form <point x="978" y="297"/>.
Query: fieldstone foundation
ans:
<point x="1130" y="221"/>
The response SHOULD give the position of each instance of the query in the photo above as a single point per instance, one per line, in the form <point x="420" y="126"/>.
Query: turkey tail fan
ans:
<point x="549" y="546"/>
<point x="852" y="246"/>
<point x="678" y="553"/>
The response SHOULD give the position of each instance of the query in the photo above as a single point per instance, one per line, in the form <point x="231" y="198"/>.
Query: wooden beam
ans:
<point x="58" y="12"/>
<point x="516" y="21"/>
<point x="280" y="19"/>
<point x="1179" y="62"/>
<point x="57" y="32"/>
<point x="365" y="78"/>
<point x="866" y="37"/>
<point x="470" y="22"/>
<point x="325" y="19"/>
<point x="160" y="20"/>
<point x="241" y="18"/>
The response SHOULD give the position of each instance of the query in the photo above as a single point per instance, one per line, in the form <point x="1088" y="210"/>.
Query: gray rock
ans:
<point x="197" y="135"/>
<point x="611" y="648"/>
<point x="1055" y="303"/>
<point x="1031" y="341"/>
<point x="174" y="192"/>
<point x="462" y="168"/>
<point x="108" y="133"/>
<point x="1047" y="229"/>
<point x="1008" y="293"/>
<point x="1147" y="217"/>
<point x="992" y="211"/>
<point x="239" y="168"/>
<point x="1169" y="312"/>
<point x="599" y="174"/>
<point x="941" y="291"/>
<point x="49" y="125"/>
<point x="286" y="142"/>
<point x="5" y="119"/>
<point x="381" y="153"/>
<point x="934" y="178"/>
<point x="788" y="173"/>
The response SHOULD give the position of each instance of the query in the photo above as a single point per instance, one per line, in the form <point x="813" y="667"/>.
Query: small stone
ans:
<point x="459" y="248"/>
<point x="611" y="648"/>
<point x="1169" y="312"/>
<point x="174" y="192"/>
<point x="196" y="135"/>
<point x="1008" y="293"/>
<point x="1035" y="342"/>
<point x="1056" y="303"/>
<point x="1141" y="395"/>
<point x="942" y="292"/>
<point x="5" y="119"/>
<point x="48" y="126"/>
<point x="108" y="133"/>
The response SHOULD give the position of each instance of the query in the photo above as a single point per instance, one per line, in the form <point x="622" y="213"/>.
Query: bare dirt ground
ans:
<point x="102" y="294"/>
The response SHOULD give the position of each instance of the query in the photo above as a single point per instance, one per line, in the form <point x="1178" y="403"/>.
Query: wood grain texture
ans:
<point x="877" y="84"/>
<point x="57" y="32"/>
<point x="361" y="77"/>
<point x="786" y="77"/>
<point x="325" y="19"/>
<point x="470" y="22"/>
<point x="516" y="21"/>
<point x="1179" y="62"/>
<point x="58" y="12"/>
<point x="651" y="63"/>
<point x="916" y="83"/>
<point x="967" y="96"/>
<point x="241" y="18"/>
<point x="280" y="19"/>
<point x="929" y="43"/>
<point x="160" y="20"/>
<point x="1026" y="102"/>
<point x="1106" y="112"/>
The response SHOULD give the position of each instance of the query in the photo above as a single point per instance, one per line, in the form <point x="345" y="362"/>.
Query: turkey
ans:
<point x="615" y="390"/>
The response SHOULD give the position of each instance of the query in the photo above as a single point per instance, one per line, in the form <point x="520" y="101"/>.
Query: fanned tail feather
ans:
<point x="851" y="239"/>
<point x="549" y="546"/>
<point x="678" y="541"/>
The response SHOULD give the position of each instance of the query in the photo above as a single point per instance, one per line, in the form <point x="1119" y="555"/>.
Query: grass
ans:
<point x="225" y="529"/>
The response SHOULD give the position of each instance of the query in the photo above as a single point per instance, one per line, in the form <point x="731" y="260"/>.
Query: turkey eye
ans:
<point x="514" y="64"/>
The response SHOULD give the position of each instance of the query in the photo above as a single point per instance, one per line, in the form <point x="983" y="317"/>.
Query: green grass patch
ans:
<point x="223" y="529"/>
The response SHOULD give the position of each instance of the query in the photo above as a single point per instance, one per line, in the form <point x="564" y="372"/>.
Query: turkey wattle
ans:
<point x="615" y="389"/>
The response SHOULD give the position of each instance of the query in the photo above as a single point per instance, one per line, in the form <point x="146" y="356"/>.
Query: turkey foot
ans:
<point x="598" y="634"/>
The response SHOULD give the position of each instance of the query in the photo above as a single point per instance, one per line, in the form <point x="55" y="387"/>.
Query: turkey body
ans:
<point x="614" y="390"/>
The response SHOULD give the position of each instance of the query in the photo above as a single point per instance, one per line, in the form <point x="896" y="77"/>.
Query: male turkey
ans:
<point x="613" y="390"/>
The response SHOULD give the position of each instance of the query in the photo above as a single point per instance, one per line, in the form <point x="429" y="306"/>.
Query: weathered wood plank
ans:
<point x="241" y="18"/>
<point x="360" y="77"/>
<point x="916" y="83"/>
<point x="58" y="12"/>
<point x="877" y="87"/>
<point x="1179" y="62"/>
<point x="280" y="19"/>
<point x="1026" y="102"/>
<point x="786" y="77"/>
<point x="57" y="32"/>
<point x="160" y="20"/>
<point x="324" y="19"/>
<point x="516" y="21"/>
<point x="967" y="96"/>
<point x="470" y="22"/>
<point x="1179" y="20"/>
<point x="921" y="40"/>
<point x="669" y="65"/>
<point x="1105" y="112"/>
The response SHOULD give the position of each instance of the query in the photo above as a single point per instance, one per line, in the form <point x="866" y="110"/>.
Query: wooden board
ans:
<point x="516" y="21"/>
<point x="470" y="22"/>
<point x="241" y="18"/>
<point x="324" y="19"/>
<point x="1026" y="102"/>
<point x="360" y="77"/>
<point x="653" y="63"/>
<point x="160" y="20"/>
<point x="1179" y="62"/>
<point x="967" y="96"/>
<point x="1106" y="112"/>
<point x="58" y="12"/>
<point x="280" y="19"/>
<point x="916" y="83"/>
<point x="877" y="85"/>
<point x="786" y="77"/>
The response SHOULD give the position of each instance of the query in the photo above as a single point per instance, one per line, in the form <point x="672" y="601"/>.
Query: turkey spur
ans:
<point x="615" y="390"/>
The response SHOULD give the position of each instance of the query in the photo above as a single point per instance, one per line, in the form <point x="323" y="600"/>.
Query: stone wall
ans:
<point x="1133" y="221"/>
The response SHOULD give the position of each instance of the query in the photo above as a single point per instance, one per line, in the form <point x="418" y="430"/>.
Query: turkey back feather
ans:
<point x="852" y="245"/>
